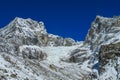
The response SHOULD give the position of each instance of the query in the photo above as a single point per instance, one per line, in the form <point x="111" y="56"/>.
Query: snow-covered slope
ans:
<point x="28" y="52"/>
<point x="18" y="68"/>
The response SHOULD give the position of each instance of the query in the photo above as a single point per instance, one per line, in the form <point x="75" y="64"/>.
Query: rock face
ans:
<point x="29" y="32"/>
<point x="103" y="38"/>
<point x="32" y="52"/>
<point x="102" y="53"/>
<point x="103" y="31"/>
<point x="109" y="61"/>
<point x="28" y="52"/>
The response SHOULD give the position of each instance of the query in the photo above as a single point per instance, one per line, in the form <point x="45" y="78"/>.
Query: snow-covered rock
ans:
<point x="103" y="39"/>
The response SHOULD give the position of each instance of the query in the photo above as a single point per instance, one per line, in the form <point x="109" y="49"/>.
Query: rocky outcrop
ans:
<point x="109" y="55"/>
<point x="103" y="31"/>
<point x="32" y="52"/>
<point x="78" y="55"/>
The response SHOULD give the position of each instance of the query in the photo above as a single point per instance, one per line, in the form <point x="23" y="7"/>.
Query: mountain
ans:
<point x="104" y="38"/>
<point x="29" y="52"/>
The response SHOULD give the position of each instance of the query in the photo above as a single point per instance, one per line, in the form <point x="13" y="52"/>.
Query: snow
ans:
<point x="18" y="69"/>
<point x="57" y="53"/>
<point x="110" y="74"/>
<point x="2" y="62"/>
<point x="30" y="46"/>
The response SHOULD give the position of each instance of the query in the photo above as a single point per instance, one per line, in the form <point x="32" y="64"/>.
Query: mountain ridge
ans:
<point x="26" y="48"/>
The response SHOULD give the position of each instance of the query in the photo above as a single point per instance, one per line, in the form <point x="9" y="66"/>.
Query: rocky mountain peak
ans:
<point x="103" y="31"/>
<point x="30" y="32"/>
<point x="28" y="24"/>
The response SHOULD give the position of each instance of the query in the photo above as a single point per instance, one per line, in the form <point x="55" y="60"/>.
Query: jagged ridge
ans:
<point x="26" y="46"/>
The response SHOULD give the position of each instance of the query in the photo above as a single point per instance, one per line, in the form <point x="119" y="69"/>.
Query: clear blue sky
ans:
<point x="67" y="18"/>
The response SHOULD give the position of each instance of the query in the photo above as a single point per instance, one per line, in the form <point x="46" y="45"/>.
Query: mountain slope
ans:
<point x="29" y="52"/>
<point x="50" y="68"/>
<point x="103" y="38"/>
<point x="103" y="41"/>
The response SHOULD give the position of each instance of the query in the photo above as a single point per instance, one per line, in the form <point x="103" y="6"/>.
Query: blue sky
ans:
<point x="67" y="18"/>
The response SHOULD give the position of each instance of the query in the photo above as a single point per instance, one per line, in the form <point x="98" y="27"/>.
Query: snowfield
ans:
<point x="24" y="69"/>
